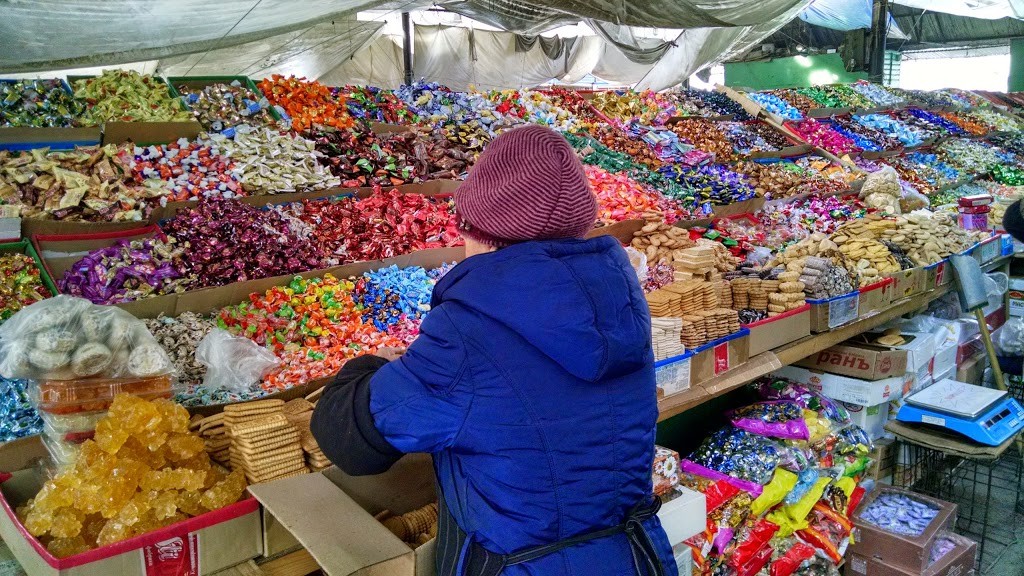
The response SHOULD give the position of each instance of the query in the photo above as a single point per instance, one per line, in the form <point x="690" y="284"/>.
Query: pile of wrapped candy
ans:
<point x="21" y="283"/>
<point x="706" y="103"/>
<point x="383" y="225"/>
<point x="306" y="102"/>
<point x="712" y="185"/>
<point x="892" y="128"/>
<point x="183" y="170"/>
<point x="781" y="482"/>
<point x="129" y="270"/>
<point x="227" y="241"/>
<point x="361" y="158"/>
<point x="376" y="105"/>
<point x="822" y="134"/>
<point x="621" y="198"/>
<point x="127" y="96"/>
<point x="219" y="106"/>
<point x="39" y="104"/>
<point x="88" y="183"/>
<point x="775" y="105"/>
<point x="878" y="95"/>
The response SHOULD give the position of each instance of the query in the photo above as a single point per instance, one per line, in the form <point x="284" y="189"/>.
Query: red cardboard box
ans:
<point x="197" y="546"/>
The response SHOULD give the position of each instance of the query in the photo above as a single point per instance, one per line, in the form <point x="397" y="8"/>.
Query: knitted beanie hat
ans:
<point x="526" y="185"/>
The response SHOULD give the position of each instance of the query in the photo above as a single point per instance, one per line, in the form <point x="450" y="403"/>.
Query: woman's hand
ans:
<point x="390" y="353"/>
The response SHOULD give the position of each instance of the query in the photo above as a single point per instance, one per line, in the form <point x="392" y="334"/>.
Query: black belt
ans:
<point x="482" y="562"/>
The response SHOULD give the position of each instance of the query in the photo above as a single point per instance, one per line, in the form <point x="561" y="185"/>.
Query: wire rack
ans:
<point x="987" y="494"/>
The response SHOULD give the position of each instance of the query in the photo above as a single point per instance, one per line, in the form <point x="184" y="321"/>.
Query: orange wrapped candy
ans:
<point x="308" y="102"/>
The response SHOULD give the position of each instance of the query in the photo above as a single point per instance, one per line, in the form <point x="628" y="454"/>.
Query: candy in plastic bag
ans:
<point x="775" y="419"/>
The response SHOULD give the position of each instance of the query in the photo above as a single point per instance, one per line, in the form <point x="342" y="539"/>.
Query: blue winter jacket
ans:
<point x="532" y="384"/>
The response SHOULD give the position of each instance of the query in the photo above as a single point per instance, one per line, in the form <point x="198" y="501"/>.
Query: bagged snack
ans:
<point x="775" y="419"/>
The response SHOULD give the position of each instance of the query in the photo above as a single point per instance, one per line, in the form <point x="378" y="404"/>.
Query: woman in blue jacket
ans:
<point x="531" y="383"/>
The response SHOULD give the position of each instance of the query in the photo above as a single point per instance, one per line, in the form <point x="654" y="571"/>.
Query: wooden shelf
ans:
<point x="767" y="362"/>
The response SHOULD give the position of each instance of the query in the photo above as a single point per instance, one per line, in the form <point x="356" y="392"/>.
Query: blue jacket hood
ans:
<point x="577" y="301"/>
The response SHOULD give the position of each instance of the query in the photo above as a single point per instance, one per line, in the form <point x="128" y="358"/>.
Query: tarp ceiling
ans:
<point x="319" y="38"/>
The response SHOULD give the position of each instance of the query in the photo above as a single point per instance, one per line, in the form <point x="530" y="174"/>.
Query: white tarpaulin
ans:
<point x="462" y="57"/>
<point x="988" y="9"/>
<point x="311" y="52"/>
<point x="48" y="34"/>
<point x="379" y="64"/>
<point x="698" y="48"/>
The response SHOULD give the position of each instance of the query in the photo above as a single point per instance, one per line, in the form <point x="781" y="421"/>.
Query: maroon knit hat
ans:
<point x="526" y="185"/>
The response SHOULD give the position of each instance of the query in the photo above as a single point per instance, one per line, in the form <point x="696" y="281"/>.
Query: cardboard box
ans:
<point x="674" y="374"/>
<point x="903" y="552"/>
<point x="907" y="283"/>
<point x="771" y="333"/>
<point x="875" y="298"/>
<point x="938" y="274"/>
<point x="957" y="562"/>
<point x="988" y="250"/>
<point x="871" y="418"/>
<point x="859" y="361"/>
<point x="343" y="536"/>
<point x="847" y="389"/>
<point x="719" y="356"/>
<point x="1016" y="296"/>
<point x="60" y="252"/>
<point x="945" y="359"/>
<point x="834" y="312"/>
<point x="883" y="459"/>
<point x="972" y="369"/>
<point x="684" y="516"/>
<point x="204" y="544"/>
<point x="25" y="138"/>
<point x="33" y="227"/>
<point x="146" y="133"/>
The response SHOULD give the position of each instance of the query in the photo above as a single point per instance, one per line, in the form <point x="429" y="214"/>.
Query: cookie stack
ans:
<point x="215" y="435"/>
<point x="694" y="295"/>
<point x="299" y="413"/>
<point x="693" y="332"/>
<point x="664" y="303"/>
<point x="698" y="262"/>
<point x="667" y="337"/>
<point x="719" y="322"/>
<point x="264" y="444"/>
<point x="414" y="528"/>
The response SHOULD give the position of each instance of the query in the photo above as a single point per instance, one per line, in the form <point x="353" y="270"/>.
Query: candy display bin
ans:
<point x="24" y="247"/>
<point x="200" y="82"/>
<point x="29" y="137"/>
<point x="204" y="544"/>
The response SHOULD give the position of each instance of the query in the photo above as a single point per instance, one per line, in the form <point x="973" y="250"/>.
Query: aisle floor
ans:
<point x="1004" y="555"/>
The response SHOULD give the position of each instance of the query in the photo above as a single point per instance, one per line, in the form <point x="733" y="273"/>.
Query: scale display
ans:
<point x="984" y="415"/>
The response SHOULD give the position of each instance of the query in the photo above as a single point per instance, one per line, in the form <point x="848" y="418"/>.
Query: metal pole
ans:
<point x="879" y="27"/>
<point x="407" y="46"/>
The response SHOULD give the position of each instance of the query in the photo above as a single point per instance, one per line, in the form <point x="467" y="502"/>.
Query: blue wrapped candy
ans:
<point x="776" y="105"/>
<point x="899" y="514"/>
<point x="18" y="417"/>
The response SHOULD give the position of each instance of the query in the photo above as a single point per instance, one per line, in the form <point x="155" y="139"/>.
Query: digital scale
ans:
<point x="985" y="415"/>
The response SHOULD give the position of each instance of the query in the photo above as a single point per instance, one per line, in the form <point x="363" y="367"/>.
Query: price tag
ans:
<point x="177" y="556"/>
<point x="843" y="310"/>
<point x="722" y="359"/>
<point x="674" y="378"/>
<point x="940" y="273"/>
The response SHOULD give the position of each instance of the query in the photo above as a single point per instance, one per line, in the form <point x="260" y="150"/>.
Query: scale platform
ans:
<point x="984" y="415"/>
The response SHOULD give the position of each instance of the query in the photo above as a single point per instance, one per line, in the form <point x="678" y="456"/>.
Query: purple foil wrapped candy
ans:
<point x="128" y="270"/>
